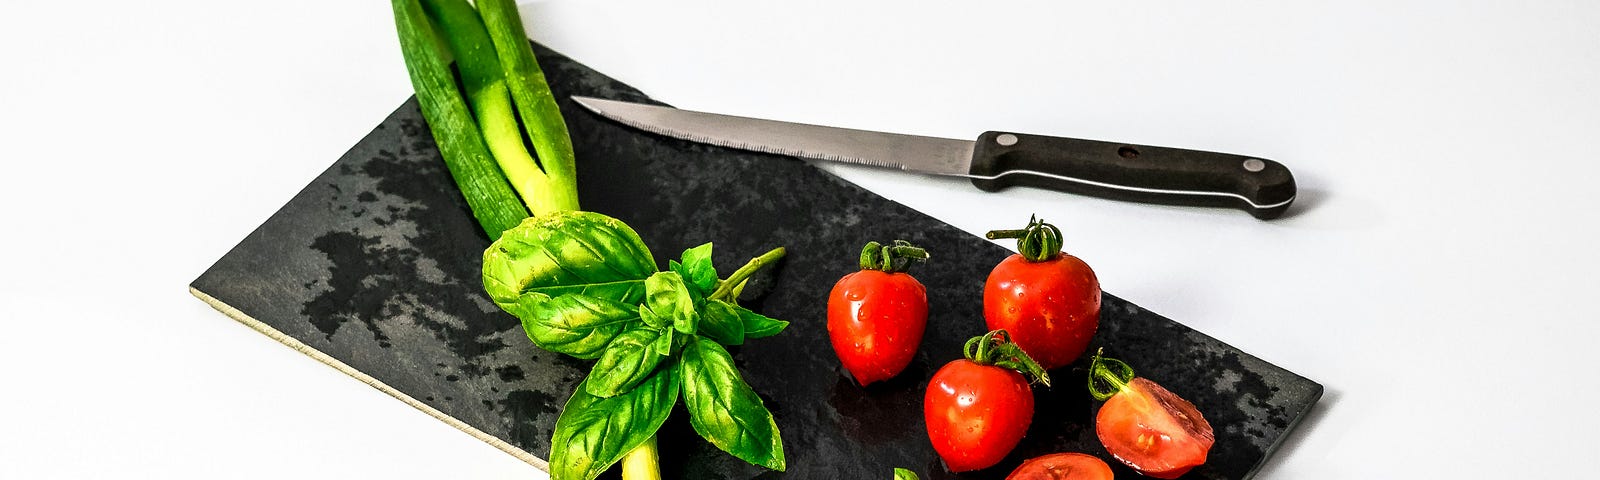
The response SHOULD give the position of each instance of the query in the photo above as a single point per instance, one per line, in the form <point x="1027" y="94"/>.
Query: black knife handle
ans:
<point x="1139" y="173"/>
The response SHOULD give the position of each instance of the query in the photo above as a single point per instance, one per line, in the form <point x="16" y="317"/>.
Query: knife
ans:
<point x="996" y="160"/>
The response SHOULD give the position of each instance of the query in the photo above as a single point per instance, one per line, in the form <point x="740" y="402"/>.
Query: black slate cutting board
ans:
<point x="373" y="268"/>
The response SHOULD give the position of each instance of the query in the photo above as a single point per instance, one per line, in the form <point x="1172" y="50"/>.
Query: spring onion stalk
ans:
<point x="642" y="463"/>
<point x="547" y="131"/>
<point x="493" y="202"/>
<point x="535" y="104"/>
<point x="485" y="85"/>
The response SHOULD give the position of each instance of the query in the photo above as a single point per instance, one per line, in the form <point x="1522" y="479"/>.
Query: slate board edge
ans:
<point x="1294" y="423"/>
<point x="328" y="360"/>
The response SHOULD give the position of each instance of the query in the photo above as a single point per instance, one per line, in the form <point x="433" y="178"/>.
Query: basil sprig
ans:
<point x="594" y="432"/>
<point x="585" y="285"/>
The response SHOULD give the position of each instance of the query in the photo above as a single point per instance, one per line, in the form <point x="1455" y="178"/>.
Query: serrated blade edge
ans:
<point x="931" y="155"/>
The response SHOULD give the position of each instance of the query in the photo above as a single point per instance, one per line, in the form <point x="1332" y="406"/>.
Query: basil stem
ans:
<point x="492" y="202"/>
<point x="536" y="105"/>
<point x="643" y="462"/>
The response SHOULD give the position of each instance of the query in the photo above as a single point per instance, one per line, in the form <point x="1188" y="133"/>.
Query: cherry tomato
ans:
<point x="979" y="407"/>
<point x="1048" y="300"/>
<point x="1146" y="426"/>
<point x="1062" y="466"/>
<point x="976" y="413"/>
<point x="876" y="316"/>
<point x="1051" y="307"/>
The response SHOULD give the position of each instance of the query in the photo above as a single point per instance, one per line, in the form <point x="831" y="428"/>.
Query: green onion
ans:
<point x="537" y="107"/>
<point x="465" y="154"/>
<point x="490" y="99"/>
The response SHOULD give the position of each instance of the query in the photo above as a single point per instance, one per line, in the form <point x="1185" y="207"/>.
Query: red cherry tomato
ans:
<point x="1153" y="430"/>
<point x="876" y="320"/>
<point x="1051" y="308"/>
<point x="1062" y="466"/>
<point x="876" y="316"/>
<point x="1144" y="425"/>
<point x="976" y="413"/>
<point x="979" y="407"/>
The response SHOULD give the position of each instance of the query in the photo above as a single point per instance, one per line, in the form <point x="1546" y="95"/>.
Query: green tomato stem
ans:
<point x="894" y="258"/>
<point x="1107" y="376"/>
<point x="996" y="348"/>
<point x="643" y="462"/>
<point x="736" y="280"/>
<point x="1037" y="242"/>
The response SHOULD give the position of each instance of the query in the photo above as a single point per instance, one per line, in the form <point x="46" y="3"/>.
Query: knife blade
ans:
<point x="996" y="160"/>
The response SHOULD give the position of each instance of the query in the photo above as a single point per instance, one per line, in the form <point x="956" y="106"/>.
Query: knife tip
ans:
<point x="590" y="103"/>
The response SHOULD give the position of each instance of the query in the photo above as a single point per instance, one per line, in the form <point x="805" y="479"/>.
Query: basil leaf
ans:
<point x="627" y="361"/>
<point x="663" y="345"/>
<point x="697" y="269"/>
<point x="903" y="474"/>
<point x="667" y="300"/>
<point x="574" y="324"/>
<point x="724" y="410"/>
<point x="757" y="325"/>
<point x="721" y="322"/>
<point x="593" y="433"/>
<point x="650" y="318"/>
<point x="567" y="252"/>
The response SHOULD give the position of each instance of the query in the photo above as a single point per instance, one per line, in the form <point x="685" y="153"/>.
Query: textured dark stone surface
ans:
<point x="376" y="264"/>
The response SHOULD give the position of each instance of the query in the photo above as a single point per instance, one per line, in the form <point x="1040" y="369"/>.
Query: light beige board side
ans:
<point x="367" y="379"/>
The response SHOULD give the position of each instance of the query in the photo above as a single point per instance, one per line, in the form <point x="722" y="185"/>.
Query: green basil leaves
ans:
<point x="585" y="285"/>
<point x="625" y="363"/>
<point x="567" y="252"/>
<point x="575" y="324"/>
<point x="668" y="303"/>
<point x="724" y="409"/>
<point x="721" y="322"/>
<point x="593" y="432"/>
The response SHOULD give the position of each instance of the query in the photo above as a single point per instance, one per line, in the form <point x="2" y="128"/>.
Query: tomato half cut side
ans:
<point x="1062" y="466"/>
<point x="1153" y="430"/>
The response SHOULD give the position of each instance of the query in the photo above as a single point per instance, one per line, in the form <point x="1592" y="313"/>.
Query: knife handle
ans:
<point x="1139" y="173"/>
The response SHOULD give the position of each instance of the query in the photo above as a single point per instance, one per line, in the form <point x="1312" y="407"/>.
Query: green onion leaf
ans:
<point x="535" y="104"/>
<point x="493" y="203"/>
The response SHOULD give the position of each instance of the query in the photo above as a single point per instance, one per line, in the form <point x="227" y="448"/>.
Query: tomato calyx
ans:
<point x="893" y="258"/>
<point x="1107" y="376"/>
<point x="1037" y="242"/>
<point x="996" y="348"/>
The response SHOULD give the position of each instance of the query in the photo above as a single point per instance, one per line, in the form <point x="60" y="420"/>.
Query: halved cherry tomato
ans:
<point x="979" y="407"/>
<point x="1048" y="300"/>
<point x="1062" y="466"/>
<point x="1146" y="426"/>
<point x="876" y="316"/>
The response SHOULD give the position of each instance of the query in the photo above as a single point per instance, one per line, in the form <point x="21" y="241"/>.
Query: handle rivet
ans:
<point x="1254" y="165"/>
<point x="1006" y="139"/>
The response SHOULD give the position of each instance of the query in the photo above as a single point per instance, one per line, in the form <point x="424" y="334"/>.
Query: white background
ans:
<point x="1438" y="275"/>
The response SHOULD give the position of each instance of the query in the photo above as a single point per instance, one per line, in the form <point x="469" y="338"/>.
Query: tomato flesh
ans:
<point x="1153" y="430"/>
<point x="875" y="322"/>
<point x="976" y="413"/>
<point x="1050" y="308"/>
<point x="1062" y="466"/>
